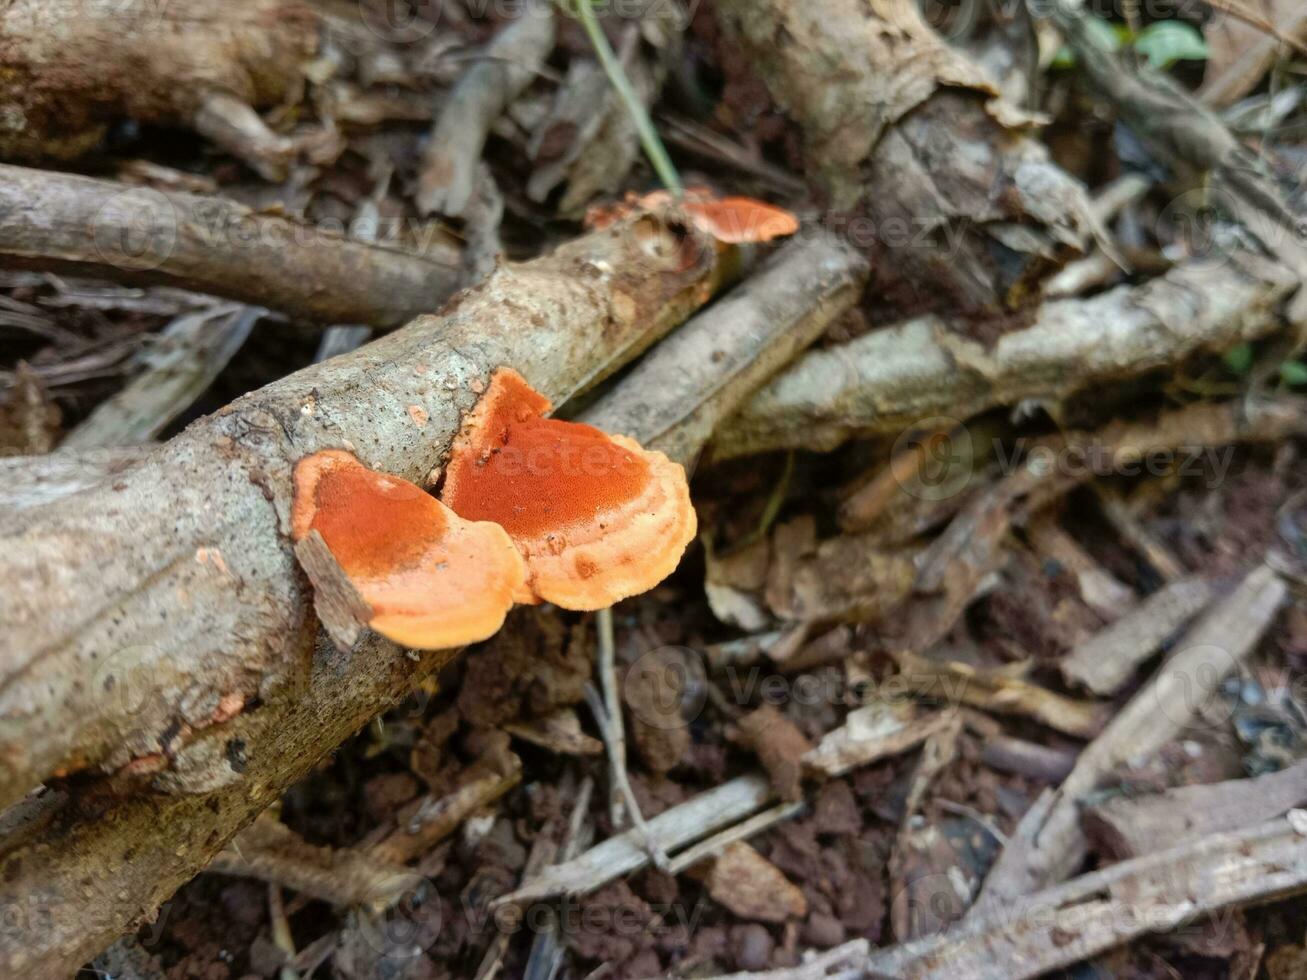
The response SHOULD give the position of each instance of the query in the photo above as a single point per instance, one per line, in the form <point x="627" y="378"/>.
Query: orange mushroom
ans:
<point x="596" y="517"/>
<point x="730" y="220"/>
<point x="431" y="579"/>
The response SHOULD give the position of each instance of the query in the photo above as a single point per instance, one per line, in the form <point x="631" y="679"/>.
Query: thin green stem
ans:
<point x="649" y="138"/>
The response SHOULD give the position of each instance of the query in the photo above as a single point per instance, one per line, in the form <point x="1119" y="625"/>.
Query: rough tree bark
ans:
<point x="73" y="67"/>
<point x="785" y="306"/>
<point x="673" y="399"/>
<point x="895" y="377"/>
<point x="167" y="634"/>
<point x="61" y="222"/>
<point x="922" y="162"/>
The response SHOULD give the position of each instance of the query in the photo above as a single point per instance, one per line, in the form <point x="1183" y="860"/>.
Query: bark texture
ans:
<point x="1145" y="896"/>
<point x="674" y="398"/>
<point x="61" y="222"/>
<point x="916" y="152"/>
<point x="73" y="67"/>
<point x="893" y="378"/>
<point x="192" y="666"/>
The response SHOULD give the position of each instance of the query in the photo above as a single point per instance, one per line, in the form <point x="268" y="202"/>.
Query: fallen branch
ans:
<point x="1000" y="692"/>
<point x="620" y="855"/>
<point x="270" y="851"/>
<point x="29" y="481"/>
<point x="1133" y="826"/>
<point x="1108" y="659"/>
<point x="1049" y="844"/>
<point x="95" y="586"/>
<point x="1055" y="928"/>
<point x="678" y="394"/>
<point x="72" y="68"/>
<point x="908" y="133"/>
<point x="888" y="380"/>
<point x="430" y="819"/>
<point x="66" y="223"/>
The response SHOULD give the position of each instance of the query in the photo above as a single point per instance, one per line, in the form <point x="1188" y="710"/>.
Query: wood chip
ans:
<point x="1107" y="660"/>
<point x="343" y="612"/>
<point x="870" y="733"/>
<point x="752" y="887"/>
<point x="780" y="747"/>
<point x="1132" y="826"/>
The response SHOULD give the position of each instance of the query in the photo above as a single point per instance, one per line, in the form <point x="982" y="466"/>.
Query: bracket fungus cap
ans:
<point x="733" y="220"/>
<point x="597" y="517"/>
<point x="431" y="579"/>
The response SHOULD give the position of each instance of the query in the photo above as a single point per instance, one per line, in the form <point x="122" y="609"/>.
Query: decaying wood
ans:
<point x="717" y="359"/>
<point x="870" y="733"/>
<point x="66" y="223"/>
<point x="620" y="855"/>
<point x="1028" y="937"/>
<point x="178" y="367"/>
<point x="133" y="653"/>
<point x="1049" y="844"/>
<point x="903" y="126"/>
<point x="272" y="852"/>
<point x="888" y="380"/>
<point x="1133" y="826"/>
<point x="29" y="481"/>
<point x="1107" y="660"/>
<point x="447" y="181"/>
<point x="72" y="68"/>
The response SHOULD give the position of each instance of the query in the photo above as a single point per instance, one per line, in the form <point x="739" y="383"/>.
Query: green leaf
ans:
<point x="1239" y="359"/>
<point x="1168" y="41"/>
<point x="1294" y="373"/>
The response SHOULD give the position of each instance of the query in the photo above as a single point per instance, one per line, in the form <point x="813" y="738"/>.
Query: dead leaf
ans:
<point x="1240" y="53"/>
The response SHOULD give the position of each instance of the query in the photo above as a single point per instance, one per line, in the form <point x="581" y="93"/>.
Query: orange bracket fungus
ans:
<point x="730" y="220"/>
<point x="429" y="578"/>
<point x="597" y="517"/>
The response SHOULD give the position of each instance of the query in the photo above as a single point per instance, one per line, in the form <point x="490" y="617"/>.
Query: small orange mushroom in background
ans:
<point x="730" y="220"/>
<point x="431" y="579"/>
<point x="597" y="517"/>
